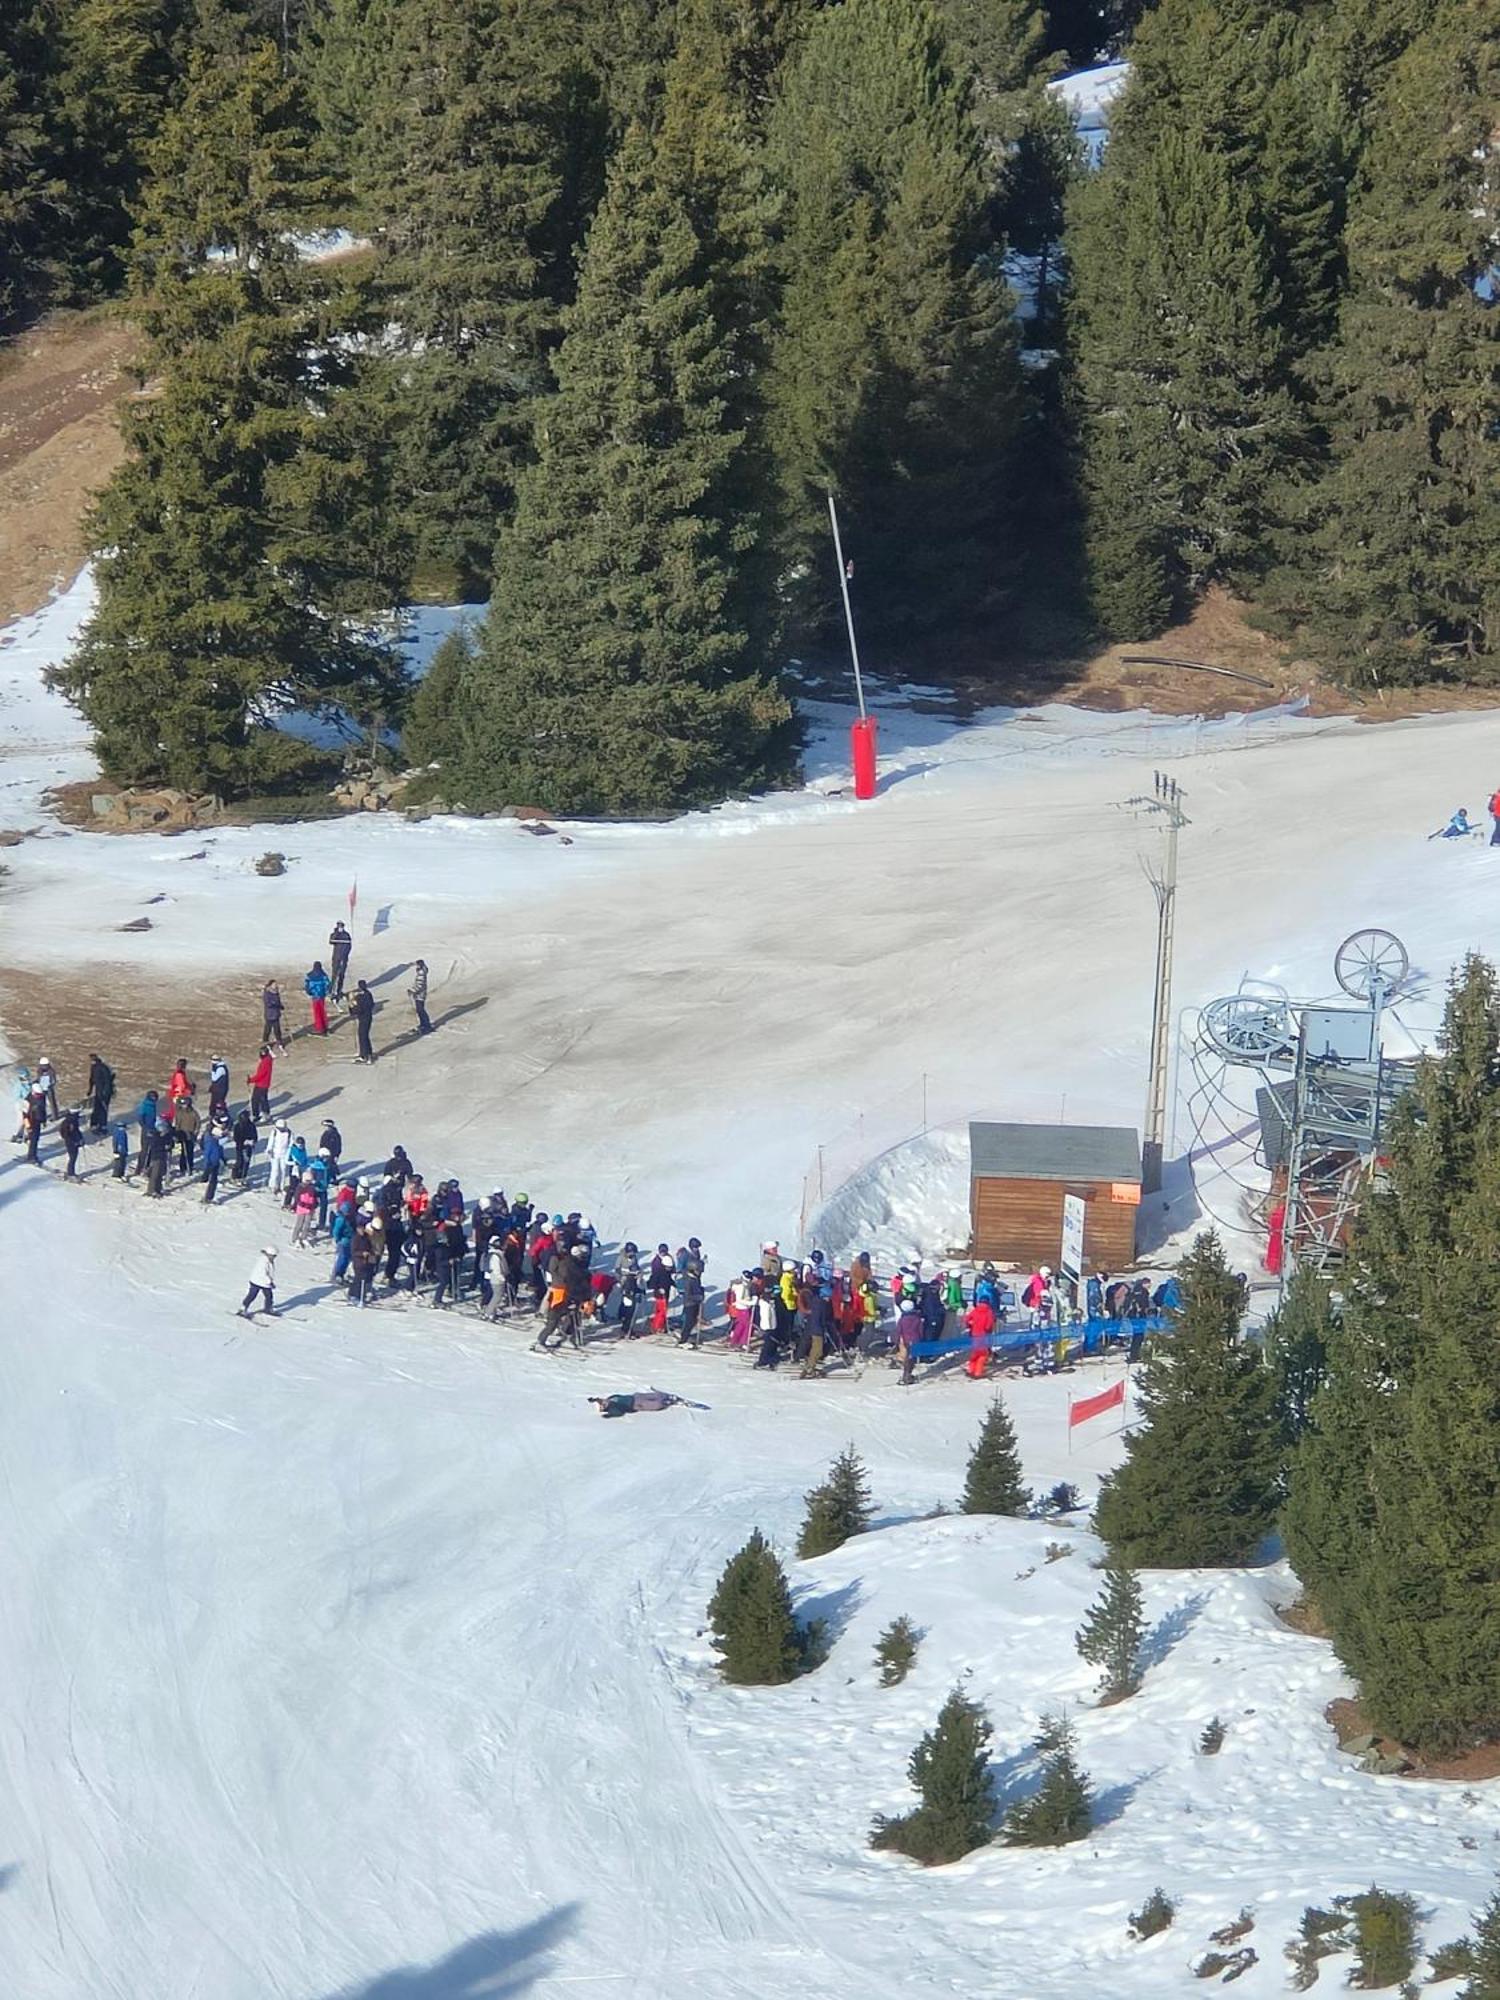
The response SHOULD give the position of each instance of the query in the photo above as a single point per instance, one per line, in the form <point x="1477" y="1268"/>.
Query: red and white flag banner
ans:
<point x="1084" y="1407"/>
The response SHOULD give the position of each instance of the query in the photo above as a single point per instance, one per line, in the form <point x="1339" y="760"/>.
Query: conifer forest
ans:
<point x="635" y="286"/>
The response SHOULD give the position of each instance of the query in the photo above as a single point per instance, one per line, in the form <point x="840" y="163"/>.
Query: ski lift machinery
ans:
<point x="1322" y="1069"/>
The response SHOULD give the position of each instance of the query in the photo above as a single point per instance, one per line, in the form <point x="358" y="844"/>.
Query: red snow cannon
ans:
<point x="862" y="748"/>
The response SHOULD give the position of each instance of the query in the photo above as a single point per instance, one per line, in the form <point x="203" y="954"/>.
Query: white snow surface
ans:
<point x="351" y="1655"/>
<point x="1089" y="94"/>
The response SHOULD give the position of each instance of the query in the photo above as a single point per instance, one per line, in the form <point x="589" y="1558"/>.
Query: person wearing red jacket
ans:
<point x="259" y="1081"/>
<point x="181" y="1084"/>
<point x="979" y="1321"/>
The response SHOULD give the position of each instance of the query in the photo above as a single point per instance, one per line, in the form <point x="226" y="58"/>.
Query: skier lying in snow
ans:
<point x="640" y="1399"/>
<point x="1458" y="828"/>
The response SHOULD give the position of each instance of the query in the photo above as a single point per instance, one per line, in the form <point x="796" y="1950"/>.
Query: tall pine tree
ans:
<point x="1393" y="563"/>
<point x="120" y="70"/>
<point x="478" y="165"/>
<point x="1206" y="257"/>
<point x="1393" y="1512"/>
<point x="238" y="553"/>
<point x="244" y="547"/>
<point x="1295" y="1338"/>
<point x="895" y="379"/>
<point x="1200" y="1482"/>
<point x="624" y="665"/>
<point x="35" y="201"/>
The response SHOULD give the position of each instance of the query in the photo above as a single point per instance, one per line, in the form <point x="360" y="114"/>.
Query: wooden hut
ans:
<point x="1018" y="1175"/>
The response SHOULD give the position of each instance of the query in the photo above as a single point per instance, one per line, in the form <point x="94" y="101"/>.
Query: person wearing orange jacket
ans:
<point x="979" y="1321"/>
<point x="181" y="1084"/>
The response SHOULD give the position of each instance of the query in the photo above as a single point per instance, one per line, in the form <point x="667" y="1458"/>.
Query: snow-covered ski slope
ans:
<point x="353" y="1655"/>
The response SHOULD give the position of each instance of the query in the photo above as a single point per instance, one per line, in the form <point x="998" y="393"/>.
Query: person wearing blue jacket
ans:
<point x="321" y="1176"/>
<point x="342" y="1233"/>
<point x="119" y="1141"/>
<point x="317" y="986"/>
<point x="146" y="1114"/>
<point x="213" y="1163"/>
<point x="934" y="1314"/>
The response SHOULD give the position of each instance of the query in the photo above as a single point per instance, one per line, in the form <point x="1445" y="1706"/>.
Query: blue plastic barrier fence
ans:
<point x="1083" y="1337"/>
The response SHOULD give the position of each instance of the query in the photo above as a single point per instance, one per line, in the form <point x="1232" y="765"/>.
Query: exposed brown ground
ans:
<point x="59" y="387"/>
<point x="1219" y="634"/>
<point x="1348" y="1719"/>
<point x="141" y="1025"/>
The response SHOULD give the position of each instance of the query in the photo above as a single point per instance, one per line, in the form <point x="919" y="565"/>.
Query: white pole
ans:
<point x="838" y="550"/>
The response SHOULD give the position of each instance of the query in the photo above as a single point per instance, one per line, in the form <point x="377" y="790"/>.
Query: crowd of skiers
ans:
<point x="390" y="1233"/>
<point x="173" y="1132"/>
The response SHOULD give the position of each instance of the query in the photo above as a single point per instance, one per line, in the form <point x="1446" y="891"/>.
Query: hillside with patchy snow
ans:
<point x="353" y="1656"/>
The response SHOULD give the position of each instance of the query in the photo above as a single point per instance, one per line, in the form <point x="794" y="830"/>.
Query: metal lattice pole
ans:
<point x="1163" y="806"/>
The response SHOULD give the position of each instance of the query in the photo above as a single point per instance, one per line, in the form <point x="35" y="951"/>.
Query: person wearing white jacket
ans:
<point x="279" y="1145"/>
<point x="262" y="1280"/>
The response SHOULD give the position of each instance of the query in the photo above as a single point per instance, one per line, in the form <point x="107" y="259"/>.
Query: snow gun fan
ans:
<point x="1322" y="1087"/>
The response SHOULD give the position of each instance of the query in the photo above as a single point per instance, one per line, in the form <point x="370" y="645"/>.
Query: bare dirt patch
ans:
<point x="141" y="1024"/>
<point x="1349" y="1722"/>
<point x="1303" y="1616"/>
<point x="1115" y="679"/>
<point x="60" y="385"/>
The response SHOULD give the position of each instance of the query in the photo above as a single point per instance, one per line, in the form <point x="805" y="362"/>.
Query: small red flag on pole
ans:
<point x="353" y="896"/>
<point x="1085" y="1407"/>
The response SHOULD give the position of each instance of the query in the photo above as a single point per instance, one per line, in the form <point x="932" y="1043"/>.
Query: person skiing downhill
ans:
<point x="262" y="1282"/>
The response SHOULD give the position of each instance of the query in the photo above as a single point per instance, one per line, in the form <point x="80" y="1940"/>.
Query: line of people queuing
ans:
<point x="390" y="1233"/>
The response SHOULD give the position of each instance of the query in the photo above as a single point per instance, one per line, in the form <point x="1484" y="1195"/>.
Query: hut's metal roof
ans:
<point x="1054" y="1152"/>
